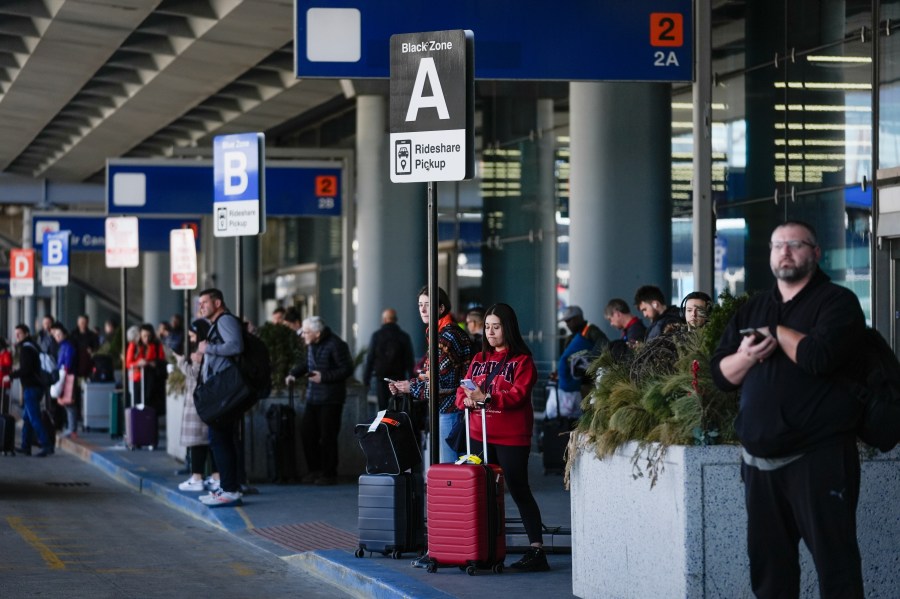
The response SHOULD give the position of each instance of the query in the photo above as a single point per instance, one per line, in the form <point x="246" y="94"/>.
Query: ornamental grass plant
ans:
<point x="660" y="394"/>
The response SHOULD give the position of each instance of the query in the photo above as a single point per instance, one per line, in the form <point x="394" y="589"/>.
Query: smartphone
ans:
<point x="468" y="384"/>
<point x="387" y="380"/>
<point x="757" y="336"/>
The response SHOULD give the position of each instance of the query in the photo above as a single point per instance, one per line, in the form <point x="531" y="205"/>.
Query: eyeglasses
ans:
<point x="794" y="244"/>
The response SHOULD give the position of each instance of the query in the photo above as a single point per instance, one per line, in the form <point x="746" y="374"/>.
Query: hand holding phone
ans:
<point x="387" y="380"/>
<point x="757" y="336"/>
<point x="468" y="384"/>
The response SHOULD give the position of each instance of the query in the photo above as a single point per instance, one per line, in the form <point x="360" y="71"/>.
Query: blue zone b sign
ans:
<point x="576" y="40"/>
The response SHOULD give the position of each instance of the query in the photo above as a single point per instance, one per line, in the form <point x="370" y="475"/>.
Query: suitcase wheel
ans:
<point x="498" y="568"/>
<point x="470" y="570"/>
<point x="395" y="554"/>
<point x="359" y="552"/>
<point x="432" y="568"/>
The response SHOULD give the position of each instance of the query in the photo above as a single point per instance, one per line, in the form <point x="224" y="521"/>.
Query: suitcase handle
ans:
<point x="467" y="458"/>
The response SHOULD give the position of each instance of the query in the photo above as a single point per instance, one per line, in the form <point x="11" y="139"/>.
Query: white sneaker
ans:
<point x="222" y="498"/>
<point x="211" y="484"/>
<point x="191" y="484"/>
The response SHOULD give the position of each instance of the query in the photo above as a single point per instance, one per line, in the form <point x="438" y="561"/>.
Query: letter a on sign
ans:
<point x="427" y="70"/>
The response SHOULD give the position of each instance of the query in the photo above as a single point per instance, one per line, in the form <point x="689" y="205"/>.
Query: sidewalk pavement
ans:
<point x="315" y="528"/>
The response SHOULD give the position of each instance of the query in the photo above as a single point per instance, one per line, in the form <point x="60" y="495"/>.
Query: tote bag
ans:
<point x="223" y="397"/>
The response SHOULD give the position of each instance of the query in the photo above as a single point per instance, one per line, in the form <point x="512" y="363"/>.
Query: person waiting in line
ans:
<point x="695" y="309"/>
<point x="651" y="302"/>
<point x="455" y="350"/>
<point x="583" y="345"/>
<point x="390" y="356"/>
<point x="328" y="365"/>
<point x="475" y="324"/>
<point x="619" y="316"/>
<point x="504" y="374"/>
<point x="142" y="359"/>
<point x="28" y="374"/>
<point x="223" y="343"/>
<point x="66" y="359"/>
<point x="194" y="433"/>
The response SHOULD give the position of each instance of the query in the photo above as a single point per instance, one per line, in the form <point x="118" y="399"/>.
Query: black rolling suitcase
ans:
<point x="391" y="514"/>
<point x="281" y="449"/>
<point x="7" y="425"/>
<point x="554" y="440"/>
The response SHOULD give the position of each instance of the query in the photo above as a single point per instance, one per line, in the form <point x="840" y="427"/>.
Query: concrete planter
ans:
<point x="174" y="409"/>
<point x="686" y="537"/>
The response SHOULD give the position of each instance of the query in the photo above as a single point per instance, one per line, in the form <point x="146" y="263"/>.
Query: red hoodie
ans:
<point x="510" y="417"/>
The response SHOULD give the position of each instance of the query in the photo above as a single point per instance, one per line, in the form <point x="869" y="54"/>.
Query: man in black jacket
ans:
<point x="328" y="366"/>
<point x="786" y="349"/>
<point x="28" y="373"/>
<point x="390" y="356"/>
<point x="651" y="302"/>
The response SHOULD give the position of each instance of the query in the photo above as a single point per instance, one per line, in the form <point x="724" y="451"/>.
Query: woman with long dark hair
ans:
<point x="504" y="375"/>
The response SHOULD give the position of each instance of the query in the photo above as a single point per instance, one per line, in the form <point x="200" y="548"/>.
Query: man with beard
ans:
<point x="651" y="302"/>
<point x="784" y="349"/>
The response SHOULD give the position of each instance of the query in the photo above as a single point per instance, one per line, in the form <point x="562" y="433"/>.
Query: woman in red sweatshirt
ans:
<point x="504" y="374"/>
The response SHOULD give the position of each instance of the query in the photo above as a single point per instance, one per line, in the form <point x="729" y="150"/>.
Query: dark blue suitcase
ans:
<point x="391" y="514"/>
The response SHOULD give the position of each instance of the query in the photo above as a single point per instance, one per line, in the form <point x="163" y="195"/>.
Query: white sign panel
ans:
<point x="21" y="272"/>
<point x="182" y="259"/>
<point x="432" y="94"/>
<point x="55" y="259"/>
<point x="122" y="249"/>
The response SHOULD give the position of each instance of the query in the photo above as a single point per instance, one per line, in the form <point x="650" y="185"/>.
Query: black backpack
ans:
<point x="254" y="363"/>
<point x="879" y="393"/>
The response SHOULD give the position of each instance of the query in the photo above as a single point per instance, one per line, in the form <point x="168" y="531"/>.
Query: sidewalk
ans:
<point x="315" y="528"/>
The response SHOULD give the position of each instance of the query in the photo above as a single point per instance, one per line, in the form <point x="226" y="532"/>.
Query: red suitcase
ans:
<point x="459" y="535"/>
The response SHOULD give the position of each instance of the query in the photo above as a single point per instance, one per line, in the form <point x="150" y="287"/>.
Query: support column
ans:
<point x="620" y="204"/>
<point x="391" y="233"/>
<point x="160" y="302"/>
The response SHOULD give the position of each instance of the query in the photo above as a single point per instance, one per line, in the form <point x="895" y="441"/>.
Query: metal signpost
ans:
<point x="239" y="206"/>
<point x="122" y="251"/>
<point x="432" y="139"/>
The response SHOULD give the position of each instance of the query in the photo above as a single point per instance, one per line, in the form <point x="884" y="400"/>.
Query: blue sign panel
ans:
<point x="89" y="231"/>
<point x="164" y="187"/>
<point x="56" y="248"/>
<point x="239" y="203"/>
<point x="582" y="40"/>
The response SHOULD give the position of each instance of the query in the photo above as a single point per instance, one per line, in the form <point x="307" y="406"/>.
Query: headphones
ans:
<point x="696" y="295"/>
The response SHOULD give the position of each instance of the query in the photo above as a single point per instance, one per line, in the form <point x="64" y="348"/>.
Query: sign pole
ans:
<point x="186" y="325"/>
<point x="239" y="267"/>
<point x="434" y="392"/>
<point x="123" y="323"/>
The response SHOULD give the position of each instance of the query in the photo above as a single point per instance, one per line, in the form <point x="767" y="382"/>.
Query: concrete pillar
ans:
<point x="391" y="232"/>
<point x="620" y="205"/>
<point x="160" y="302"/>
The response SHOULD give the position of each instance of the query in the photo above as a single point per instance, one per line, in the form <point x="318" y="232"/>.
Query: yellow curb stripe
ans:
<point x="240" y="512"/>
<point x="32" y="539"/>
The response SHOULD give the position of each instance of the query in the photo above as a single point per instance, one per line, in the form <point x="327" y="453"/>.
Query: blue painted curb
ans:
<point x="366" y="576"/>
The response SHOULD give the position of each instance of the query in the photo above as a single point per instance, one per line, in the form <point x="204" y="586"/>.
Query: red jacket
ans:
<point x="149" y="353"/>
<point x="510" y="417"/>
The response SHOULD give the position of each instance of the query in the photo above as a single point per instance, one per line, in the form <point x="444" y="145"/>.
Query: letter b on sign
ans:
<point x="235" y="164"/>
<point x="54" y="251"/>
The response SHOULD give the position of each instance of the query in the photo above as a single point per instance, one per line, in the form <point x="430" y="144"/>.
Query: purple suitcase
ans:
<point x="141" y="425"/>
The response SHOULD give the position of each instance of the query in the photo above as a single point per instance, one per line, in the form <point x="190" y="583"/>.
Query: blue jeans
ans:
<point x="222" y="440"/>
<point x="445" y="423"/>
<point x="31" y="418"/>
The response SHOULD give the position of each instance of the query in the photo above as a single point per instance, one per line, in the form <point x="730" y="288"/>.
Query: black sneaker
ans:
<point x="534" y="560"/>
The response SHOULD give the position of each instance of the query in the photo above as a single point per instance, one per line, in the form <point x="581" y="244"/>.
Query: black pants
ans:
<point x="514" y="461"/>
<point x="813" y="498"/>
<point x="319" y="432"/>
